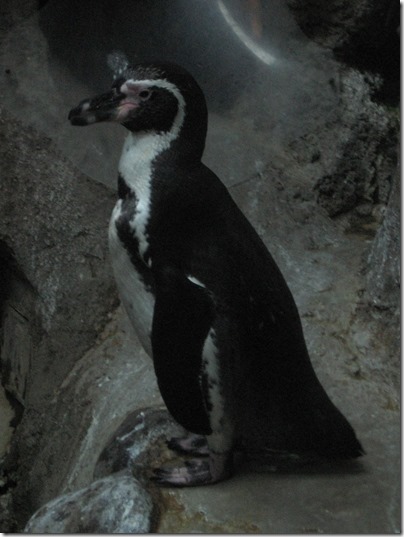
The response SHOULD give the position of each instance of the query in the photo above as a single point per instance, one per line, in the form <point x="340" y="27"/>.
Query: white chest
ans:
<point x="135" y="167"/>
<point x="136" y="296"/>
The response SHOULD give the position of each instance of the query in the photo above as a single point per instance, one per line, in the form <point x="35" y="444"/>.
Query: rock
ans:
<point x="113" y="379"/>
<point x="14" y="11"/>
<point x="7" y="522"/>
<point x="383" y="278"/>
<point x="115" y="504"/>
<point x="378" y="315"/>
<point x="71" y="213"/>
<point x="336" y="23"/>
<point x="363" y="33"/>
<point x="136" y="445"/>
<point x="53" y="251"/>
<point x="366" y="146"/>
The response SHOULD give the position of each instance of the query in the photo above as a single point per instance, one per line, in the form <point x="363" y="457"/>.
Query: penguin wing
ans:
<point x="183" y="315"/>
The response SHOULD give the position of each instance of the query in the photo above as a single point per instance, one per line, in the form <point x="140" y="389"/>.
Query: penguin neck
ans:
<point x="143" y="152"/>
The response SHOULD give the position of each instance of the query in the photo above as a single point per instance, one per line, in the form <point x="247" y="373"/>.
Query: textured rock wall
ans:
<point x="384" y="271"/>
<point x="53" y="228"/>
<point x="361" y="25"/>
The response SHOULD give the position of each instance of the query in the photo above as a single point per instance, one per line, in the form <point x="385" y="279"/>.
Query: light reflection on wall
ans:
<point x="256" y="49"/>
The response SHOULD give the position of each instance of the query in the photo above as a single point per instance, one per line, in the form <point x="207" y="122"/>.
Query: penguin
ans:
<point x="202" y="291"/>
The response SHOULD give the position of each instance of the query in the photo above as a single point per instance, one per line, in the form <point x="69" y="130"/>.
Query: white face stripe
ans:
<point x="139" y="151"/>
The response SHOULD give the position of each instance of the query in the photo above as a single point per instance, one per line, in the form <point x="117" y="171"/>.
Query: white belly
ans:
<point x="137" y="300"/>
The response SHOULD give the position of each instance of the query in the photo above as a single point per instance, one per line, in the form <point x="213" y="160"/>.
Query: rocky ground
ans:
<point x="308" y="149"/>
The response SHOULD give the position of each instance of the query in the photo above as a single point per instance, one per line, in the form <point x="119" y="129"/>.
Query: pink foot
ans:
<point x="194" y="444"/>
<point x="196" y="472"/>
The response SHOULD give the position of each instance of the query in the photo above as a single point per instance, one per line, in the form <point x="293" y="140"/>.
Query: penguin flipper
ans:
<point x="183" y="315"/>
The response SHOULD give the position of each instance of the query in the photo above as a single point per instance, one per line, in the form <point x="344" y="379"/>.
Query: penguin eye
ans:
<point x="145" y="94"/>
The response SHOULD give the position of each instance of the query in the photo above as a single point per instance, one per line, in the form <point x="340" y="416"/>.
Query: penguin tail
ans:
<point x="347" y="447"/>
<point x="274" y="460"/>
<point x="335" y="439"/>
<point x="328" y="437"/>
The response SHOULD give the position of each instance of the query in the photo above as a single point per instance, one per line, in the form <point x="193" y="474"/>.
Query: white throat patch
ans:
<point x="139" y="151"/>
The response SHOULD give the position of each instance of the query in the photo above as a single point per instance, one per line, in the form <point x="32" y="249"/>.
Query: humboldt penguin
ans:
<point x="205" y="296"/>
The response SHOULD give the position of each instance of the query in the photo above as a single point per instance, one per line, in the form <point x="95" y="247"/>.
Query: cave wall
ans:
<point x="58" y="300"/>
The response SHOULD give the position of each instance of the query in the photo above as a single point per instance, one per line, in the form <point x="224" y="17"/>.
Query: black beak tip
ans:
<point x="94" y="110"/>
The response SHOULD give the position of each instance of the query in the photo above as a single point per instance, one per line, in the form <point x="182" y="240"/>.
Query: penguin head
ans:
<point x="148" y="97"/>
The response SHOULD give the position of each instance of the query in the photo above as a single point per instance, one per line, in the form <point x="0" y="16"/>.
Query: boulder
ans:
<point x="115" y="504"/>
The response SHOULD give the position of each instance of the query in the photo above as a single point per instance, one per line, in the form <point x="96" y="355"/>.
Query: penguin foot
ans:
<point x="194" y="444"/>
<point x="196" y="472"/>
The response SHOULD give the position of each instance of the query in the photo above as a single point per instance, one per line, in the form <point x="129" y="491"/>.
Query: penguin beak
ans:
<point x="111" y="106"/>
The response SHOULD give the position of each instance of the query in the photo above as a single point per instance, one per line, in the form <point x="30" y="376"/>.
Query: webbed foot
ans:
<point x="196" y="472"/>
<point x="194" y="444"/>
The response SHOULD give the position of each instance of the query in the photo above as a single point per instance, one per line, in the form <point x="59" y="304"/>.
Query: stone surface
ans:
<point x="107" y="384"/>
<point x="364" y="33"/>
<point x="115" y="504"/>
<point x="366" y="149"/>
<point x="383" y="280"/>
<point x="17" y="343"/>
<point x="59" y="294"/>
<point x="138" y="444"/>
<point x="70" y="213"/>
<point x="336" y="22"/>
<point x="6" y="430"/>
